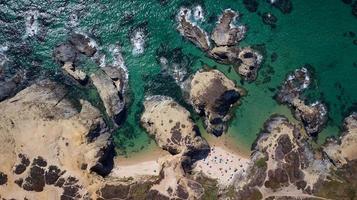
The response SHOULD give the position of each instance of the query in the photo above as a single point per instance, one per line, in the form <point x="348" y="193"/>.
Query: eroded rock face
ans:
<point x="212" y="94"/>
<point x="62" y="140"/>
<point x="313" y="116"/>
<point x="171" y="126"/>
<point x="344" y="149"/>
<point x="110" y="92"/>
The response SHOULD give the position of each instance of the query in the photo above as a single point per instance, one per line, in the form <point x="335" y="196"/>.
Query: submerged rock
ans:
<point x="110" y="94"/>
<point x="251" y="5"/>
<point x="285" y="6"/>
<point x="269" y="19"/>
<point x="354" y="9"/>
<point x="212" y="94"/>
<point x="172" y="127"/>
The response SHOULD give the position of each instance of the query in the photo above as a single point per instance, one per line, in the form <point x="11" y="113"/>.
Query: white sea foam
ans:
<point x="118" y="61"/>
<point x="138" y="42"/>
<point x="32" y="25"/>
<point x="73" y="20"/>
<point x="3" y="57"/>
<point x="198" y="14"/>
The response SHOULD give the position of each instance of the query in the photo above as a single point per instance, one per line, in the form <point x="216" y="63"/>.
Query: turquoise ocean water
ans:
<point x="319" y="33"/>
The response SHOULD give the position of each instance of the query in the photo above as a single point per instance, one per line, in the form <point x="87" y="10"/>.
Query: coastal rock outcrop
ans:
<point x="226" y="33"/>
<point x="110" y="91"/>
<point x="65" y="53"/>
<point x="313" y="116"/>
<point x="173" y="130"/>
<point x="226" y="37"/>
<point x="51" y="149"/>
<point x="191" y="31"/>
<point x="172" y="127"/>
<point x="249" y="63"/>
<point x="83" y="44"/>
<point x="282" y="163"/>
<point x="75" y="73"/>
<point x="344" y="149"/>
<point x="212" y="94"/>
<point x="110" y="79"/>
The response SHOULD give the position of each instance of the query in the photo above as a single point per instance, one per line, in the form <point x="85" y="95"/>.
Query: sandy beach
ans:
<point x="145" y="163"/>
<point x="224" y="161"/>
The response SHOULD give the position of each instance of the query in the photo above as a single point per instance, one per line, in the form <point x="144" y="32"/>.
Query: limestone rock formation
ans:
<point x="51" y="149"/>
<point x="212" y="94"/>
<point x="344" y="149"/>
<point x="313" y="116"/>
<point x="171" y="126"/>
<point x="110" y="91"/>
<point x="75" y="73"/>
<point x="191" y="31"/>
<point x="226" y="37"/>
<point x="226" y="33"/>
<point x="249" y="63"/>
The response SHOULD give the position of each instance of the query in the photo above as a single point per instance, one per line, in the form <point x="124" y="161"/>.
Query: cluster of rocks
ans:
<point x="110" y="80"/>
<point x="313" y="116"/>
<point x="213" y="95"/>
<point x="68" y="53"/>
<point x="225" y="39"/>
<point x="173" y="130"/>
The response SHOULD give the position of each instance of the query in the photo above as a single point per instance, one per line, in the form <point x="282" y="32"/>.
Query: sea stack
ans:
<point x="213" y="95"/>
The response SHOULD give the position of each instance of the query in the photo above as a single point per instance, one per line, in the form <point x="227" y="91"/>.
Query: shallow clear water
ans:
<point x="313" y="33"/>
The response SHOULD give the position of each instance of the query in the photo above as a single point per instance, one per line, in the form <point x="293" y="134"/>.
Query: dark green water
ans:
<point x="312" y="33"/>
